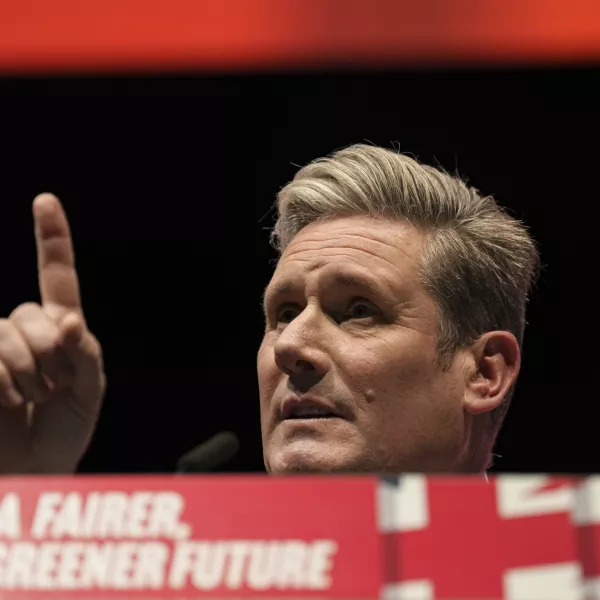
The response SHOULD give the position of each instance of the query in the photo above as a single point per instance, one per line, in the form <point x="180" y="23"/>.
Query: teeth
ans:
<point x="310" y="411"/>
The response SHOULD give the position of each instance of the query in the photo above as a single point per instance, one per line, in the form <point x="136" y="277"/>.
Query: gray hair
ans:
<point x="479" y="263"/>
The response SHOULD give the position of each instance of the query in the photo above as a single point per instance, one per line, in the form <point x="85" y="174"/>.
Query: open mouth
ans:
<point x="310" y="412"/>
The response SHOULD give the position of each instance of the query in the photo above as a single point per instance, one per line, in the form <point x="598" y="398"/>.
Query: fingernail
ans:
<point x="44" y="197"/>
<point x="43" y="200"/>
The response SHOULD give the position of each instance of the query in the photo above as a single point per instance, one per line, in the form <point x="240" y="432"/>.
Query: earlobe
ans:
<point x="497" y="360"/>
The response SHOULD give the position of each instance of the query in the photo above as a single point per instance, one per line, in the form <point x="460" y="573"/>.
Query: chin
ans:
<point x="294" y="461"/>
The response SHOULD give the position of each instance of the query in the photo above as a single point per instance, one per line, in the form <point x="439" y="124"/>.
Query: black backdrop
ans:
<point x="168" y="182"/>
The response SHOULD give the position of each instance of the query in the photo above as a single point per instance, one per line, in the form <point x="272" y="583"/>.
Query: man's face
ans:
<point x="347" y="369"/>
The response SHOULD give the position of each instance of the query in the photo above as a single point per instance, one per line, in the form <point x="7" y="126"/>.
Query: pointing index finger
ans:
<point x="59" y="285"/>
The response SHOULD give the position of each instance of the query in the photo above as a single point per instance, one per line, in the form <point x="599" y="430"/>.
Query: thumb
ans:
<point x="72" y="330"/>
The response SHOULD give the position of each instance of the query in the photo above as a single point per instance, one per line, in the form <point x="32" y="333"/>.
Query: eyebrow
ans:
<point x="342" y="278"/>
<point x="280" y="289"/>
<point x="347" y="280"/>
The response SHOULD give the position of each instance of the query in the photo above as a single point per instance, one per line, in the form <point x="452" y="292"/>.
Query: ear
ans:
<point x="495" y="364"/>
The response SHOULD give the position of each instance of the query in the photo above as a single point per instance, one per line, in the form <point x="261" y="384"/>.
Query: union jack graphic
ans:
<point x="514" y="538"/>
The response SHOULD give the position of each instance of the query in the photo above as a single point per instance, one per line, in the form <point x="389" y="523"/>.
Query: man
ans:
<point x="394" y="324"/>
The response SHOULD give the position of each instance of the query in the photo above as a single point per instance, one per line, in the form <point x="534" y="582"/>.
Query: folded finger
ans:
<point x="43" y="337"/>
<point x="20" y="364"/>
<point x="10" y="397"/>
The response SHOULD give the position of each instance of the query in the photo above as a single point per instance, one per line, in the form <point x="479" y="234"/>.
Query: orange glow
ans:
<point x="92" y="35"/>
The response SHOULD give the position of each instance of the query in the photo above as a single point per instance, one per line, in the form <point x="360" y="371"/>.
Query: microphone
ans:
<point x="213" y="453"/>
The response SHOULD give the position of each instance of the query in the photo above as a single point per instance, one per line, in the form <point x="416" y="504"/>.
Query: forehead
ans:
<point x="386" y="251"/>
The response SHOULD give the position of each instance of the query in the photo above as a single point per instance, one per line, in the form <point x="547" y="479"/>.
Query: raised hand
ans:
<point x="51" y="374"/>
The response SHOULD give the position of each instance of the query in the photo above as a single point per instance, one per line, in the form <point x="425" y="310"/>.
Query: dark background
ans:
<point x="168" y="182"/>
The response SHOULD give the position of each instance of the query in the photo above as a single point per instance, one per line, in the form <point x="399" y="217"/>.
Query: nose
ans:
<point x="299" y="355"/>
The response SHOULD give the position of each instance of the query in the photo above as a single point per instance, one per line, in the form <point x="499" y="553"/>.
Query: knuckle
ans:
<point x="38" y="333"/>
<point x="47" y="348"/>
<point x="6" y="328"/>
<point x="25" y="311"/>
<point x="23" y="368"/>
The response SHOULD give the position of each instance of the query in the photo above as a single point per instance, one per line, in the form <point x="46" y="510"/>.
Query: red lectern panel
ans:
<point x="404" y="538"/>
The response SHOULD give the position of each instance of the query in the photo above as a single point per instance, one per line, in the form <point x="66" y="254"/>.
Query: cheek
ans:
<point x="421" y="398"/>
<point x="267" y="371"/>
<point x="384" y="371"/>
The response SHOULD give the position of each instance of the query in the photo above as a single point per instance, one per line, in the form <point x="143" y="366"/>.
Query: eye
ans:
<point x="361" y="309"/>
<point x="287" y="313"/>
